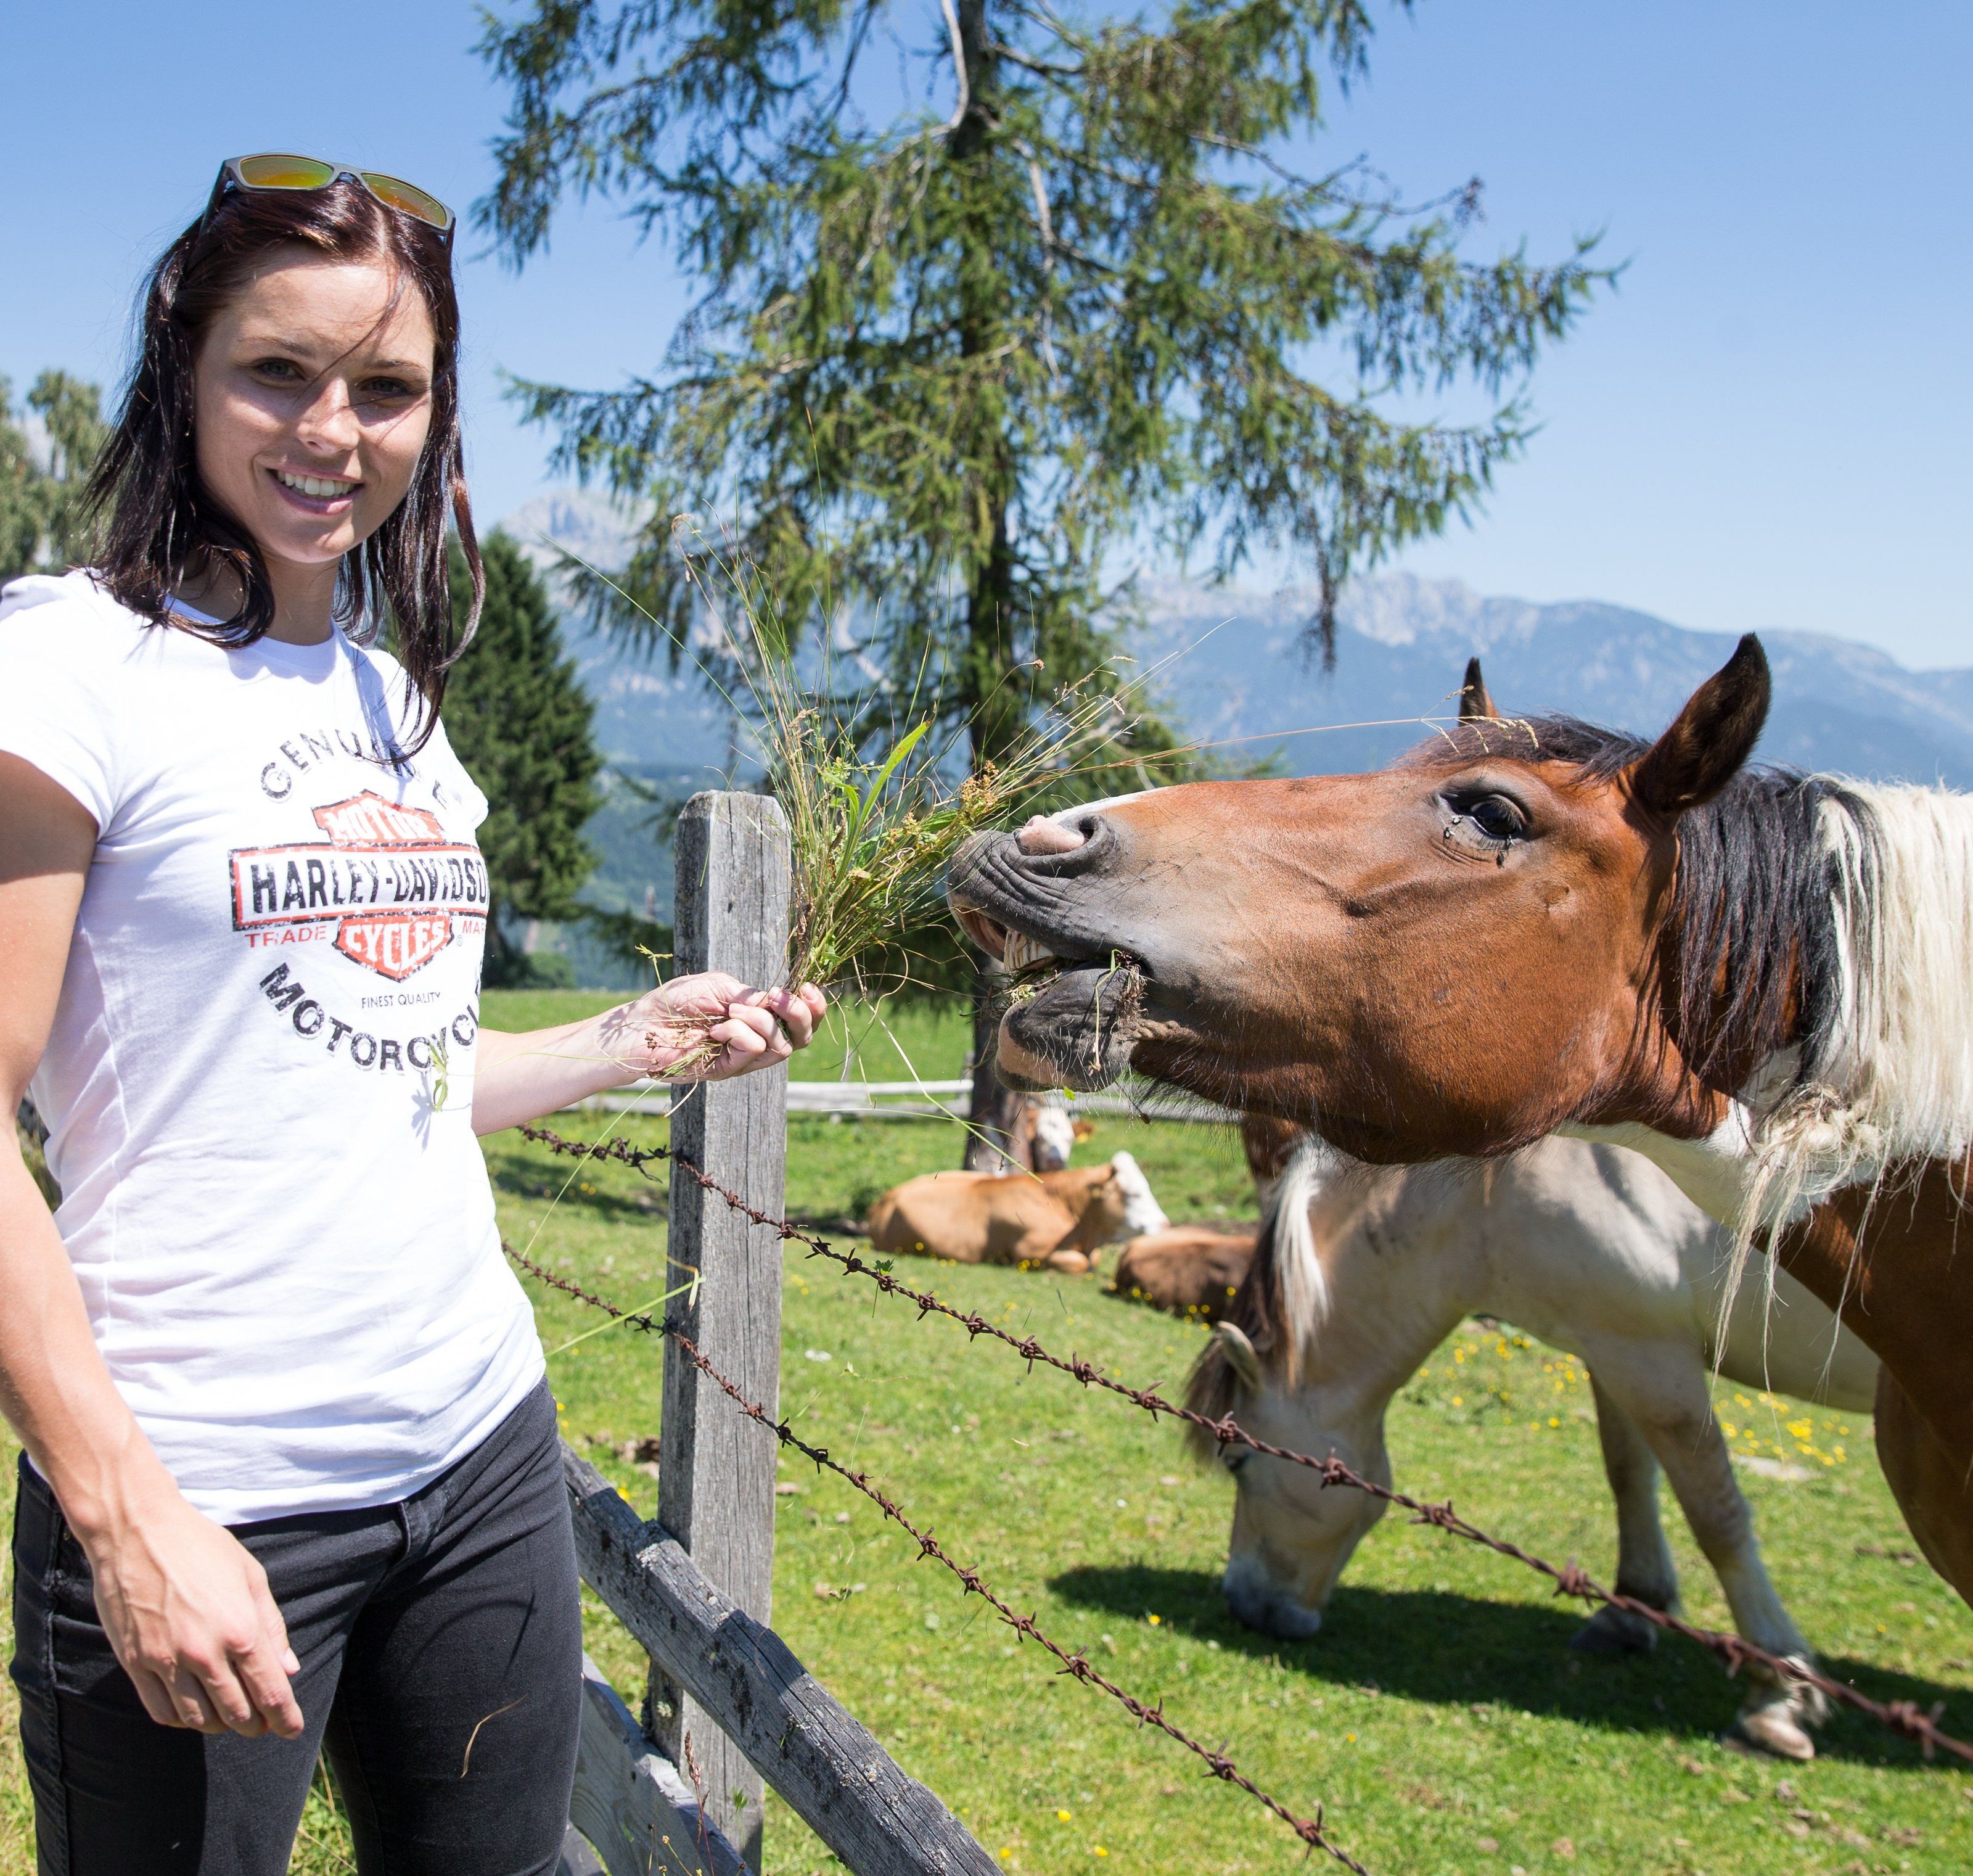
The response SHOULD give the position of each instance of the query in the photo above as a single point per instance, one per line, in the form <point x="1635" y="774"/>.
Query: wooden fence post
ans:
<point x="716" y="1471"/>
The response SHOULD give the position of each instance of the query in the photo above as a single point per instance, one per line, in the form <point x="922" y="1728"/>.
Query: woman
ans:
<point x="291" y="1480"/>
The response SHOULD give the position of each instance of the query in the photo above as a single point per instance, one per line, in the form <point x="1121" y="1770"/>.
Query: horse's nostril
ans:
<point x="1043" y="836"/>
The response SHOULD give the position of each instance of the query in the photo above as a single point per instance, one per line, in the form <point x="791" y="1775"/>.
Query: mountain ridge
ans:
<point x="1230" y="666"/>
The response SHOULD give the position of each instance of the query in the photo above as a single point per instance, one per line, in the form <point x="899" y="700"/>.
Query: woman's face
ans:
<point x="313" y="398"/>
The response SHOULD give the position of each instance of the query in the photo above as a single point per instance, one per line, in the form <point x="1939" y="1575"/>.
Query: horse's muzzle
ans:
<point x="1075" y="1030"/>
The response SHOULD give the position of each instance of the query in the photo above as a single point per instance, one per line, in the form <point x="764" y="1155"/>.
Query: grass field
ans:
<point x="1439" y="1715"/>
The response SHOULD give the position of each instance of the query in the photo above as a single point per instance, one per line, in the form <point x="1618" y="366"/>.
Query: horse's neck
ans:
<point x="1894" y="1262"/>
<point x="1715" y="1171"/>
<point x="1393" y="1291"/>
<point x="1888" y="1080"/>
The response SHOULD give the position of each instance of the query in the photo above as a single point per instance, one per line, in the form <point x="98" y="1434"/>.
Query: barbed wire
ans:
<point x="1077" y="1665"/>
<point x="1904" y="1717"/>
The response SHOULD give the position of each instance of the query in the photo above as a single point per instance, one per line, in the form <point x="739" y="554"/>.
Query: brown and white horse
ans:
<point x="1762" y="980"/>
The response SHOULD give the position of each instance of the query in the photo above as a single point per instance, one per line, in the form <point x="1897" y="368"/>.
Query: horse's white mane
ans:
<point x="1894" y="1082"/>
<point x="1303" y="1288"/>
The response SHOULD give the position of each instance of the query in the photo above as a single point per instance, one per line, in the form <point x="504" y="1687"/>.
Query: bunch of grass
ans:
<point x="872" y="834"/>
<point x="878" y="805"/>
<point x="872" y="831"/>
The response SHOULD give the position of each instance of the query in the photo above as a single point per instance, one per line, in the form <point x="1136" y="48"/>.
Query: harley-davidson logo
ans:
<point x="387" y="878"/>
<point x="394" y="945"/>
<point x="367" y="819"/>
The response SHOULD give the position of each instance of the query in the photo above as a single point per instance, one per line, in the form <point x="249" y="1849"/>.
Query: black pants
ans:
<point x="441" y="1641"/>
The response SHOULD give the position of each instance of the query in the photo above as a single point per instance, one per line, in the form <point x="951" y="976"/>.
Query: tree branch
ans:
<point x="959" y="68"/>
<point x="1041" y="66"/>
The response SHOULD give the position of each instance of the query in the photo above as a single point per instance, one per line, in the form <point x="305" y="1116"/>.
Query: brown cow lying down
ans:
<point x="1061" y="1220"/>
<point x="1192" y="1270"/>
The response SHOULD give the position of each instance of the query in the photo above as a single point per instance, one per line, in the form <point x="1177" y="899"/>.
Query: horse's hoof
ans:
<point x="1614" y="1632"/>
<point x="1772" y="1730"/>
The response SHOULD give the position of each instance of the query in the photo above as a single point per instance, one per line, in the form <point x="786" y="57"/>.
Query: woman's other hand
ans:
<point x="187" y="1608"/>
<point x="710" y="1027"/>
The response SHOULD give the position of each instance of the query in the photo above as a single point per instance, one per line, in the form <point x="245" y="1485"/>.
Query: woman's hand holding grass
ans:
<point x="708" y="1027"/>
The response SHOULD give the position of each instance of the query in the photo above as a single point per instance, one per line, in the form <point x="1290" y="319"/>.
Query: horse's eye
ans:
<point x="1483" y="824"/>
<point x="1235" y="1457"/>
<point x="1497" y="818"/>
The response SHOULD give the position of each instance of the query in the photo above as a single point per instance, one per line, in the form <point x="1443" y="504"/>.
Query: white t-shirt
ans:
<point x="259" y="1087"/>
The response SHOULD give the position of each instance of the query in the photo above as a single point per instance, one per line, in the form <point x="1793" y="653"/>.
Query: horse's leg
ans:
<point x="1644" y="1566"/>
<point x="1930" y="1483"/>
<point x="1662" y="1386"/>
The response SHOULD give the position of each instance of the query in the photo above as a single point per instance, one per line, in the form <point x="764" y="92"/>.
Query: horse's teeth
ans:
<point x="1021" y="951"/>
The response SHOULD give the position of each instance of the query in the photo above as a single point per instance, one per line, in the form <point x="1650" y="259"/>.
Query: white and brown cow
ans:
<point x="1044" y="1133"/>
<point x="1059" y="1220"/>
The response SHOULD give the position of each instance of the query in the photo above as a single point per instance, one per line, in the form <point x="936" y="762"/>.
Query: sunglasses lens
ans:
<point x="409" y="197"/>
<point x="285" y="172"/>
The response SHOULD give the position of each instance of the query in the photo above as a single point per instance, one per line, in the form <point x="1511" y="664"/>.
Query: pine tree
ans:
<point x="41" y="527"/>
<point x="517" y="716"/>
<point x="955" y="358"/>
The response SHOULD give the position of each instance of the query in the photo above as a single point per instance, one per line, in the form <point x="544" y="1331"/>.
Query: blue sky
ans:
<point x="1765" y="426"/>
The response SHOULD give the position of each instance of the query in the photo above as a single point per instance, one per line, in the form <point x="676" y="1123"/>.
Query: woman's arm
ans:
<point x="186" y="1608"/>
<point x="712" y="1023"/>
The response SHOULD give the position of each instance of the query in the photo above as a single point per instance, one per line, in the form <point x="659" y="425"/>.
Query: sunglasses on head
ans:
<point x="274" y="170"/>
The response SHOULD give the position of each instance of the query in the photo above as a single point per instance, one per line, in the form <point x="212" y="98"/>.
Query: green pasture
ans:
<point x="1439" y="1716"/>
<point x="889" y="1044"/>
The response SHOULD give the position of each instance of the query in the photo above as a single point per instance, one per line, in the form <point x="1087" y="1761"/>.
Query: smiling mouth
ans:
<point x="315" y="488"/>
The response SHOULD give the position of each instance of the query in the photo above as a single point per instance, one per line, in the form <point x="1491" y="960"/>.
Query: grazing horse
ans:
<point x="1763" y="980"/>
<point x="1362" y="1272"/>
<point x="1058" y="1221"/>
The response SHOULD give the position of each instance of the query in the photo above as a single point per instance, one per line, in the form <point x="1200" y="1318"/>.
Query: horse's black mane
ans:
<point x="1753" y="957"/>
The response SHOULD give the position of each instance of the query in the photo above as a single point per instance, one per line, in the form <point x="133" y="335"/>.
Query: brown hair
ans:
<point x="159" y="515"/>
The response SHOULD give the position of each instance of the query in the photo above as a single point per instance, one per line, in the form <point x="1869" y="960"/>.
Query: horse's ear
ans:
<point x="1710" y="738"/>
<point x="1476" y="702"/>
<point x="1240" y="1355"/>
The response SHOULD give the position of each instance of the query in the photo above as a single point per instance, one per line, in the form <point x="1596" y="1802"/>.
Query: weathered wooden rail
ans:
<point x="742" y="1678"/>
<point x="730" y="1711"/>
<point x="911" y="1101"/>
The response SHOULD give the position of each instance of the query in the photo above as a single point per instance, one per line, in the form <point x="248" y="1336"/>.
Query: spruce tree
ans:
<point x="957" y="354"/>
<point x="518" y="717"/>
